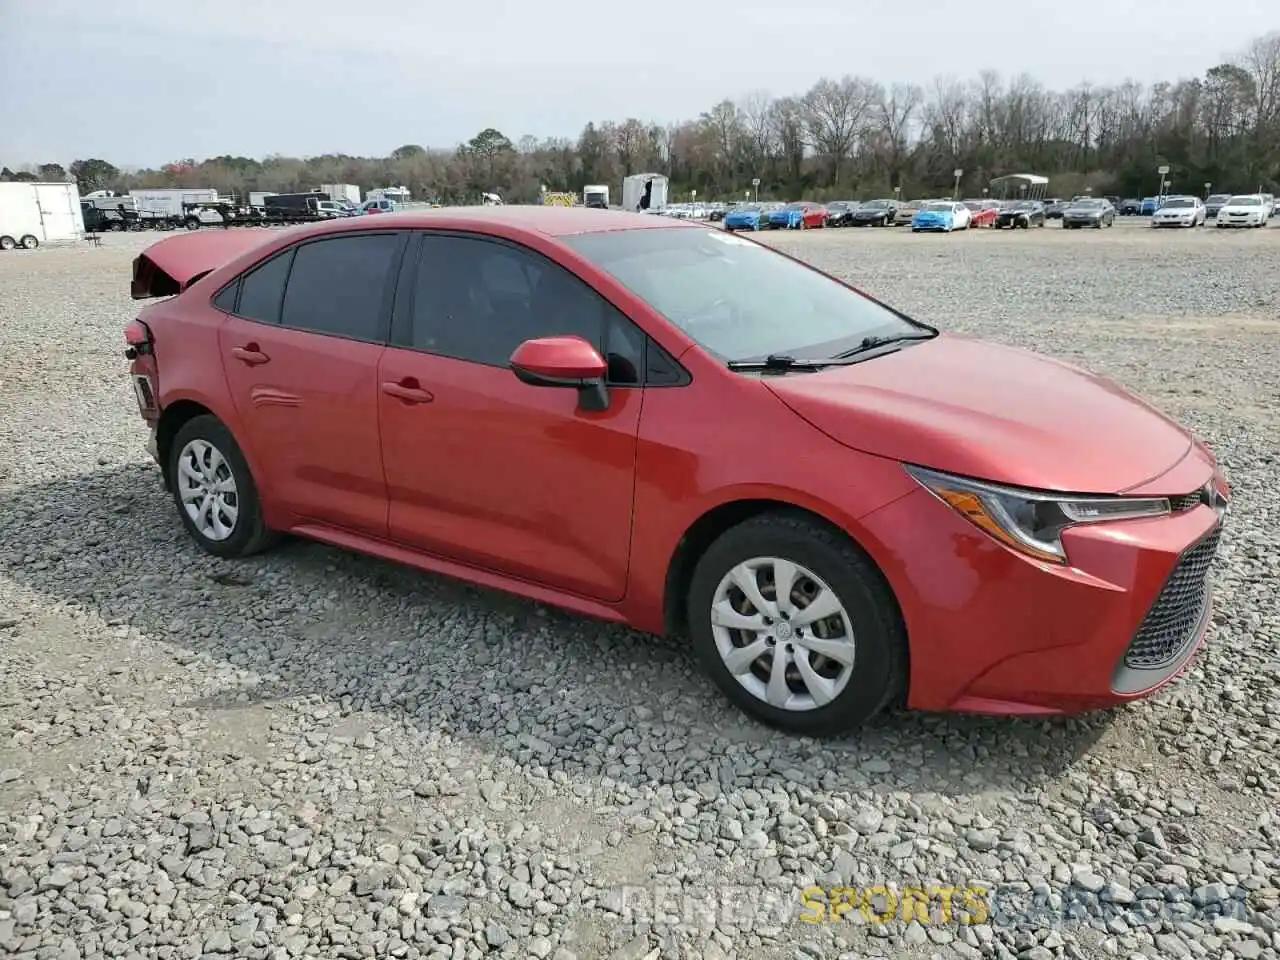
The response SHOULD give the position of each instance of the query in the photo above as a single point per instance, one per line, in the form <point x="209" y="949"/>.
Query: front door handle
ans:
<point x="250" y="355"/>
<point x="407" y="390"/>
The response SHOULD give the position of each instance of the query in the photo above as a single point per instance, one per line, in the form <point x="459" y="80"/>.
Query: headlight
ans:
<point x="1030" y="521"/>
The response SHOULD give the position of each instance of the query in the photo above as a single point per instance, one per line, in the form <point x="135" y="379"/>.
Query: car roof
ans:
<point x="551" y="221"/>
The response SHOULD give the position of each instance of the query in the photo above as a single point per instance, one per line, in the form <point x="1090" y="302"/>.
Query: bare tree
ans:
<point x="835" y="114"/>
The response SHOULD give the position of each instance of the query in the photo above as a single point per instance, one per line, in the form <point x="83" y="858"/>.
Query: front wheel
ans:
<point x="29" y="242"/>
<point x="796" y="626"/>
<point x="214" y="491"/>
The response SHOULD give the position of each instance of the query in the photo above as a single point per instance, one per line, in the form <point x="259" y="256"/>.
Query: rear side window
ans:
<point x="262" y="289"/>
<point x="337" y="286"/>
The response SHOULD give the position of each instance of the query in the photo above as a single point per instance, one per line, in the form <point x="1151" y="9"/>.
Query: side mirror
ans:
<point x="567" y="361"/>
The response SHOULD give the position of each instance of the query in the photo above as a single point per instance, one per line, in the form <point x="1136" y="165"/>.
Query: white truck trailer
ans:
<point x="36" y="213"/>
<point x="644" y="191"/>
<point x="341" y="191"/>
<point x="169" y="203"/>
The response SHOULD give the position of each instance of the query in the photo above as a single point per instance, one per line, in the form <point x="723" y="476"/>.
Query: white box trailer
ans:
<point x="644" y="191"/>
<point x="341" y="191"/>
<point x="36" y="213"/>
<point x="169" y="202"/>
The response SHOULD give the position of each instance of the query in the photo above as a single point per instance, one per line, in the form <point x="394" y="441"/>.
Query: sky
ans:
<point x="146" y="82"/>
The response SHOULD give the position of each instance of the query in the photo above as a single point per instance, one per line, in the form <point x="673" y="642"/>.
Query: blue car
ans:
<point x="749" y="216"/>
<point x="1150" y="205"/>
<point x="941" y="215"/>
<point x="798" y="216"/>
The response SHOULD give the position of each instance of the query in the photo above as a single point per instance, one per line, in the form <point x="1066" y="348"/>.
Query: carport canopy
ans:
<point x="1019" y="186"/>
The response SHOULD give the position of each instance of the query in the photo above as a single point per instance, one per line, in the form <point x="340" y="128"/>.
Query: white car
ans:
<point x="1245" y="210"/>
<point x="1180" y="212"/>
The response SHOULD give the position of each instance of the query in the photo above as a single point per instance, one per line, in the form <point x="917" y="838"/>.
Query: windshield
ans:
<point x="798" y="205"/>
<point x="1180" y="202"/>
<point x="748" y="208"/>
<point x="1023" y="205"/>
<point x="1245" y="202"/>
<point x="1219" y="198"/>
<point x="738" y="299"/>
<point x="1087" y="204"/>
<point x="875" y="205"/>
<point x="939" y="207"/>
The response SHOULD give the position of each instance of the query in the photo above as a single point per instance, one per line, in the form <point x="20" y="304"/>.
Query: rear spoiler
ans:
<point x="167" y="268"/>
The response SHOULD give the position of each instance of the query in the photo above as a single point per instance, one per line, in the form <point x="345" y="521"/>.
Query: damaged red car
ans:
<point x="668" y="426"/>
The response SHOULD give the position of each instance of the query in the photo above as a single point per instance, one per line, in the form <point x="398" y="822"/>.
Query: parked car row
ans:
<point x="1213" y="204"/>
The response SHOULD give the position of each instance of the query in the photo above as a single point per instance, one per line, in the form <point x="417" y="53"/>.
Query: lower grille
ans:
<point x="1170" y="625"/>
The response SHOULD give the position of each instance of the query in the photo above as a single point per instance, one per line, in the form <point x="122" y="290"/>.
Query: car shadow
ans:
<point x="457" y="660"/>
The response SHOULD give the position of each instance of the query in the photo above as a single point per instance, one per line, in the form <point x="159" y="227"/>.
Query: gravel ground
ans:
<point x="319" y="754"/>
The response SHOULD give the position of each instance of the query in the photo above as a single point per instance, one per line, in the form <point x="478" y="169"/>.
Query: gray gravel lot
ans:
<point x="319" y="754"/>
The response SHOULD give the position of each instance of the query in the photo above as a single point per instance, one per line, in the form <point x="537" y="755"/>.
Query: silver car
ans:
<point x="1094" y="212"/>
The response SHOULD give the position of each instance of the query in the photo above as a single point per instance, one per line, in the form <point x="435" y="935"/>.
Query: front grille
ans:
<point x="1186" y="501"/>
<point x="1171" y="622"/>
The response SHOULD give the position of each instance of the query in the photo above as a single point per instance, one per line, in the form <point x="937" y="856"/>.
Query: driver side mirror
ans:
<point x="566" y="361"/>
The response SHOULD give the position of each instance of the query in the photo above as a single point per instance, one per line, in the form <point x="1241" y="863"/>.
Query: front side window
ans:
<point x="739" y="300"/>
<point x="478" y="300"/>
<point x="337" y="285"/>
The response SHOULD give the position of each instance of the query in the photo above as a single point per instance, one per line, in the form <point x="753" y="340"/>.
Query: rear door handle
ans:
<point x="406" y="390"/>
<point x="250" y="355"/>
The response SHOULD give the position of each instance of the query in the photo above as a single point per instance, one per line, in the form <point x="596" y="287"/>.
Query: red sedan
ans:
<point x="982" y="213"/>
<point x="679" y="429"/>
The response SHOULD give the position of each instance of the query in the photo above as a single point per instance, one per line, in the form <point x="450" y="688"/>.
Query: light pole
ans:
<point x="1207" y="185"/>
<point x="755" y="185"/>
<point x="955" y="191"/>
<point x="1163" y="170"/>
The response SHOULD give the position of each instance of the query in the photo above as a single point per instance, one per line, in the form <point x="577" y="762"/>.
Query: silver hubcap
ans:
<point x="207" y="489"/>
<point x="783" y="633"/>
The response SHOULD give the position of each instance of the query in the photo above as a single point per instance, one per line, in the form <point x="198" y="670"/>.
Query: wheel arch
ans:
<point x="713" y="522"/>
<point x="172" y="419"/>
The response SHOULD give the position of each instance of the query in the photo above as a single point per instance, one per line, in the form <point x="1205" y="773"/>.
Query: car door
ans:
<point x="300" y="348"/>
<point x="489" y="471"/>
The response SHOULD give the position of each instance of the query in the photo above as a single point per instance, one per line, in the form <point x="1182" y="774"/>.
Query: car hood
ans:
<point x="992" y="412"/>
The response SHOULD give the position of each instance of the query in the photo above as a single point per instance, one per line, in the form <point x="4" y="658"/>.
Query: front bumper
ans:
<point x="994" y="632"/>
<point x="1172" y="222"/>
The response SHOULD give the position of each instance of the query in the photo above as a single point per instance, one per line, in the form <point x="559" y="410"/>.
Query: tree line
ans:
<point x="848" y="137"/>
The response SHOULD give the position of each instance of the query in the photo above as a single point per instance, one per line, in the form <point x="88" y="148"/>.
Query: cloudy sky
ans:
<point x="143" y="82"/>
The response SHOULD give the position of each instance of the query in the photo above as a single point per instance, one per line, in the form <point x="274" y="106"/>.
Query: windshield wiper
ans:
<point x="781" y="362"/>
<point x="873" y="343"/>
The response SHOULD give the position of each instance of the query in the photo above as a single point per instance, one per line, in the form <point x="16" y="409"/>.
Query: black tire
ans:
<point x="249" y="534"/>
<point x="8" y="243"/>
<point x="879" y="671"/>
<point x="29" y="242"/>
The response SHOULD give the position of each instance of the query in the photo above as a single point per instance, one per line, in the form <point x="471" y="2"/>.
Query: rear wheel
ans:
<point x="796" y="626"/>
<point x="7" y="243"/>
<point x="216" y="496"/>
<point x="29" y="242"/>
